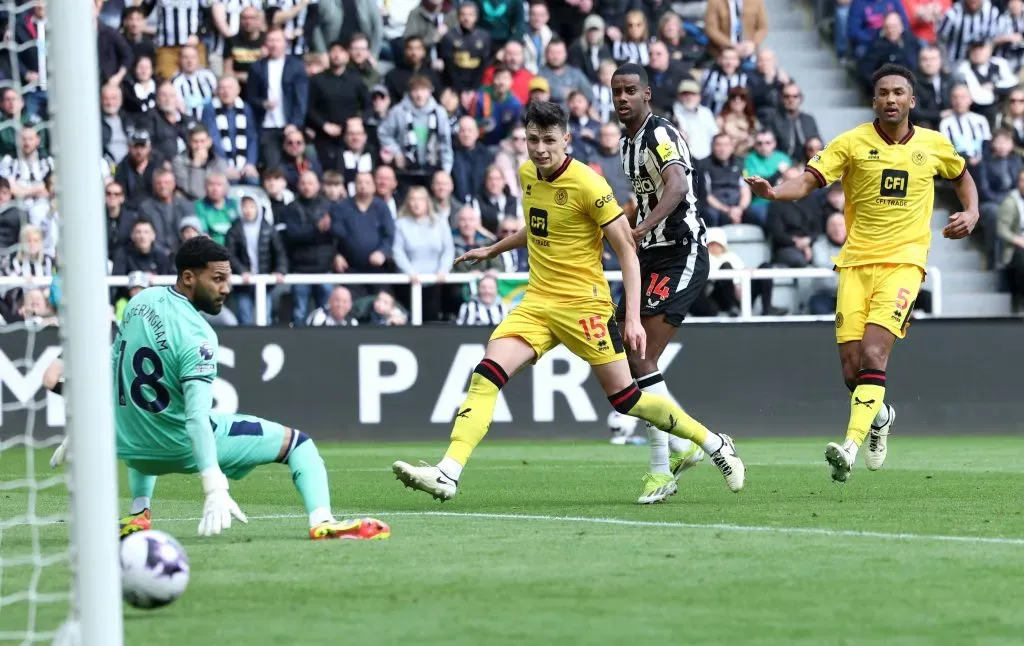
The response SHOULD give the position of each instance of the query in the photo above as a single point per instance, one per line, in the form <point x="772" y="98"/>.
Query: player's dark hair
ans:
<point x="632" y="69"/>
<point x="546" y="114"/>
<point x="891" y="69"/>
<point x="198" y="252"/>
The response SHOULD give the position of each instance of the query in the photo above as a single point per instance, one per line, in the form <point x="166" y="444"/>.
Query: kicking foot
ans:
<point x="729" y="464"/>
<point x="657" y="487"/>
<point x="136" y="523"/>
<point x="59" y="454"/>
<point x="426" y="478"/>
<point x="679" y="462"/>
<point x="367" y="529"/>
<point x="878" y="442"/>
<point x="841" y="458"/>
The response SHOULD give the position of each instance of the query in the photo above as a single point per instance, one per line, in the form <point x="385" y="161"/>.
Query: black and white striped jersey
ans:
<point x="959" y="29"/>
<point x="233" y="10"/>
<point x="294" y="28"/>
<point x="475" y="312"/>
<point x="195" y="90"/>
<point x="1012" y="52"/>
<point x="655" y="147"/>
<point x="176" y="20"/>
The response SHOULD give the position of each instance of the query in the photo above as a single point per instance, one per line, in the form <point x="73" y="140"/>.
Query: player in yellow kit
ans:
<point x="887" y="170"/>
<point x="569" y="209"/>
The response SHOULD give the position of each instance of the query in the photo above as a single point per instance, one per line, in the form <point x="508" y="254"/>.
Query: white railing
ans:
<point x="262" y="282"/>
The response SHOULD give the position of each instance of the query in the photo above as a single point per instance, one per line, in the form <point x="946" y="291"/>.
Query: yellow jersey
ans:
<point x="890" y="191"/>
<point x="564" y="215"/>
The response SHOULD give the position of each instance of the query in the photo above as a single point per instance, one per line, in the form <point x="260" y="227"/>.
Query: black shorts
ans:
<point x="670" y="281"/>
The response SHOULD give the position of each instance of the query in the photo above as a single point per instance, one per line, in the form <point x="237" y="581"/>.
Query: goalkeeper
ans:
<point x="164" y="362"/>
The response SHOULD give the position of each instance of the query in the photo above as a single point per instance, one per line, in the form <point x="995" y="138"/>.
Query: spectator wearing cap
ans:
<point x="337" y="312"/>
<point x="254" y="247"/>
<point x="192" y="167"/>
<point x="137" y="281"/>
<point x="246" y="47"/>
<point x="416" y="135"/>
<point x="590" y="49"/>
<point x="695" y="121"/>
<point x="115" y="124"/>
<point x="363" y="61"/>
<point x="511" y="56"/>
<point x="309" y="239"/>
<point x="664" y="77"/>
<point x="380" y="105"/>
<point x="792" y="126"/>
<point x="165" y="209"/>
<point x="745" y="34"/>
<point x="505" y="21"/>
<point x="413" y="63"/>
<point x="119" y="219"/>
<point x="989" y="78"/>
<point x="471" y="159"/>
<point x="143" y="253"/>
<point x="562" y="77"/>
<point x="538" y="35"/>
<point x="540" y="89"/>
<point x="335" y="96"/>
<point x="216" y="210"/>
<point x="465" y="49"/>
<point x="365" y="230"/>
<point x="277" y="91"/>
<point x="135" y="174"/>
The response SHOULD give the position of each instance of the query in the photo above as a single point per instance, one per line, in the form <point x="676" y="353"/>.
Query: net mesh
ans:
<point x="35" y="554"/>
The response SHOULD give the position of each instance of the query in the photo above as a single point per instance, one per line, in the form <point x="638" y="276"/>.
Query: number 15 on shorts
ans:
<point x="593" y="328"/>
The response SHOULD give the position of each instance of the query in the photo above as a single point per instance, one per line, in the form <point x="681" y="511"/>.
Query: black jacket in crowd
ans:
<point x="310" y="251"/>
<point x="119" y="231"/>
<point x="334" y="98"/>
<point x="273" y="256"/>
<point x="129" y="259"/>
<point x="465" y="55"/>
<point x="931" y="103"/>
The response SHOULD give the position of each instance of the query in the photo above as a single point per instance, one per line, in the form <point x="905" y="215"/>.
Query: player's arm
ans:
<point x="474" y="256"/>
<point x="674" y="178"/>
<point x="788" y="191"/>
<point x="962" y="224"/>
<point x="620" y="237"/>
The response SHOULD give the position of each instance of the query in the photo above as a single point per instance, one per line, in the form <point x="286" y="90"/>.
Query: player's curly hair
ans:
<point x="546" y="114"/>
<point x="891" y="69"/>
<point x="198" y="252"/>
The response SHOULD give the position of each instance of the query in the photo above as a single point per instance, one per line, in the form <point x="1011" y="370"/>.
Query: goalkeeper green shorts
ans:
<point x="244" y="442"/>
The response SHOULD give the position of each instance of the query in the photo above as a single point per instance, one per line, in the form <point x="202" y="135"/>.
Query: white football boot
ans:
<point x="60" y="454"/>
<point x="878" y="440"/>
<point x="729" y="464"/>
<point x="841" y="457"/>
<point x="426" y="478"/>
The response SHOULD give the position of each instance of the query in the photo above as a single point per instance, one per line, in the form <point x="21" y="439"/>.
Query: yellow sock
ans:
<point x="664" y="415"/>
<point x="477" y="410"/>
<point x="866" y="401"/>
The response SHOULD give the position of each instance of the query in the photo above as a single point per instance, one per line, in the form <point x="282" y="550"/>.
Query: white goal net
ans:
<point x="59" y="577"/>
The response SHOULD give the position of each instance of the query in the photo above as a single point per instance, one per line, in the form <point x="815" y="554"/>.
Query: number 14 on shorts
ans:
<point x="658" y="286"/>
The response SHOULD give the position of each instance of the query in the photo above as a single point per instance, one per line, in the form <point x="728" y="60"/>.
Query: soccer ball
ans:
<point x="621" y="427"/>
<point x="154" y="569"/>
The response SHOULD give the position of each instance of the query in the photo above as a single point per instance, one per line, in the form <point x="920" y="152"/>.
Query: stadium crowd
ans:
<point x="384" y="136"/>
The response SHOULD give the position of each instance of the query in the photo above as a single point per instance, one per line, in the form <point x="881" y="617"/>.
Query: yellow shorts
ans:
<point x="588" y="329"/>
<point x="883" y="295"/>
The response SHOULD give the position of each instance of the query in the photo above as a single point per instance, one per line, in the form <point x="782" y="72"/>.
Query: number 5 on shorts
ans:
<point x="594" y="328"/>
<point x="904" y="305"/>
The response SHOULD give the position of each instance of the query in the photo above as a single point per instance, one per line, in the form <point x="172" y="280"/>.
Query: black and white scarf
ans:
<point x="146" y="94"/>
<point x="411" y="148"/>
<point x="352" y="164"/>
<point x="234" y="149"/>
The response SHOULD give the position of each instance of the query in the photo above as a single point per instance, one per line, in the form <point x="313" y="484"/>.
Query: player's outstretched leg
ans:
<point x="670" y="455"/>
<point x="141" y="487"/>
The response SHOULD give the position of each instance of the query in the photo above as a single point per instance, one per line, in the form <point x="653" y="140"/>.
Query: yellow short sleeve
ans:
<point x="601" y="203"/>
<point x="831" y="163"/>
<point x="948" y="162"/>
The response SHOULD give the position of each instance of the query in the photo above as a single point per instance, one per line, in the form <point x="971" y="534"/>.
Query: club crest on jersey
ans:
<point x="561" y="197"/>
<point x="206" y="351"/>
<point x="667" y="152"/>
<point x="919" y="157"/>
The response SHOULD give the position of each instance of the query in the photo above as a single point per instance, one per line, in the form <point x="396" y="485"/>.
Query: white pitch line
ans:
<point x="722" y="527"/>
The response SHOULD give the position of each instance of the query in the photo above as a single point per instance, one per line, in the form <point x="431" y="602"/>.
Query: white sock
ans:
<point x="713" y="443"/>
<point x="320" y="515"/>
<point x="881" y="417"/>
<point x="140" y="504"/>
<point x="654" y="384"/>
<point x="450" y="468"/>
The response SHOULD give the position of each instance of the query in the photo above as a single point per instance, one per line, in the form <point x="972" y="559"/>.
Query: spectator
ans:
<point x="12" y="112"/>
<point x="511" y="56"/>
<point x="632" y="47"/>
<point x="465" y="50"/>
<point x="1010" y="41"/>
<point x="745" y="34"/>
<point x="133" y="28"/>
<point x="664" y="78"/>
<point x="824" y="249"/>
<point x="193" y="167"/>
<point x="12" y="216"/>
<point x="892" y="45"/>
<point x="512" y="156"/>
<point x="768" y="162"/>
<point x="485" y="308"/>
<point x="496" y="109"/>
<point x="728" y="196"/>
<point x="277" y="91"/>
<point x="137" y="281"/>
<point x="119" y="219"/>
<point x="933" y="91"/>
<point x="245" y="47"/>
<point x="28" y="171"/>
<point x="414" y="63"/>
<point x="515" y="260"/>
<point x="442" y="188"/>
<point x="583" y="130"/>
<point x="178" y="23"/>
<point x="505" y="21"/>
<point x="696" y="122"/>
<point x="793" y="227"/>
<point x="607" y="161"/>
<point x="34" y="309"/>
<point x="925" y="16"/>
<point x="194" y="85"/>
<point x="115" y="124"/>
<point x="386" y="311"/>
<point x="496" y="202"/>
<point x="255" y="247"/>
<point x="143" y="253"/>
<point x="722" y="77"/>
<point x="386" y="182"/>
<point x="135" y="174"/>
<point x="966" y="22"/>
<point x="31" y="34"/>
<point x="310" y="242"/>
<point x="997" y="177"/>
<point x="298" y="158"/>
<point x="588" y="52"/>
<point x="1011" y="232"/>
<point x="235" y="137"/>
<point x="471" y="160"/>
<point x="793" y="127"/>
<point x="275" y="185"/>
<point x="423" y="245"/>
<point x="562" y="78"/>
<point x="538" y="35"/>
<point x="364" y="229"/>
<point x="165" y="210"/>
<point x="114" y="54"/>
<point x="297" y="22"/>
<point x="139" y="90"/>
<point x="866" y="18"/>
<point x="27" y="260"/>
<point x="1012" y="118"/>
<point x="467" y="235"/>
<point x="216" y="210"/>
<point x="355" y="156"/>
<point x="428" y="23"/>
<point x="738" y="120"/>
<point x="168" y="125"/>
<point x="968" y="131"/>
<point x="334" y="187"/>
<point x="416" y="135"/>
<point x="989" y="78"/>
<point x="337" y="312"/>
<point x="335" y="96"/>
<point x="723" y="295"/>
<point x="363" y="62"/>
<point x="766" y="84"/>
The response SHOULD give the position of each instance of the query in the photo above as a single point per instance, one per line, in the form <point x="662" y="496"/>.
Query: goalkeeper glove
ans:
<point x="219" y="507"/>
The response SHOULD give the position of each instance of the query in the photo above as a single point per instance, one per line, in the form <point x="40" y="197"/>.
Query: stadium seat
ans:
<point x="743" y="233"/>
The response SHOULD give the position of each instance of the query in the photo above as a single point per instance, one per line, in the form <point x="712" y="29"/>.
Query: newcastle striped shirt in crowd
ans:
<point x="959" y="29"/>
<point x="656" y="146"/>
<point x="1012" y="52"/>
<point x="195" y="90"/>
<point x="715" y="86"/>
<point x="476" y="313"/>
<point x="295" y="27"/>
<point x="967" y="132"/>
<point x="176" y="20"/>
<point x="233" y="10"/>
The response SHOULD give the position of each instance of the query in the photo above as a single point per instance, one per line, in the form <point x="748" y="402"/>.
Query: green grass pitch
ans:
<point x="544" y="545"/>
